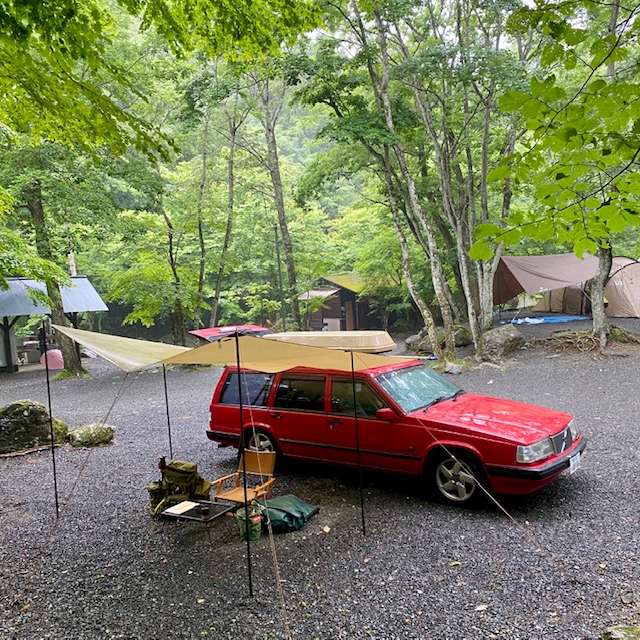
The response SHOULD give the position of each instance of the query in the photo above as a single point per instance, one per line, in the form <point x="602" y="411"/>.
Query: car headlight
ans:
<point x="534" y="452"/>
<point x="574" y="430"/>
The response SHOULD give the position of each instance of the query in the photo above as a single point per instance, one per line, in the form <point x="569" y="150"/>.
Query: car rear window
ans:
<point x="302" y="394"/>
<point x="416" y="387"/>
<point x="255" y="389"/>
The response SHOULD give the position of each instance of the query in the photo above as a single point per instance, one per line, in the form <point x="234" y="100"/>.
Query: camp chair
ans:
<point x="259" y="466"/>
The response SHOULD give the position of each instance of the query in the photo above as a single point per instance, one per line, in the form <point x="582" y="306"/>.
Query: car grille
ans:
<point x="562" y="441"/>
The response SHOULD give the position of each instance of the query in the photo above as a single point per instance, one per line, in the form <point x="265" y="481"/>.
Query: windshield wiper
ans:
<point x="435" y="401"/>
<point x="442" y="398"/>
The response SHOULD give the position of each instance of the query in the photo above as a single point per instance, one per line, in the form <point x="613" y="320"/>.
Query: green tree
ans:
<point x="583" y="117"/>
<point x="54" y="191"/>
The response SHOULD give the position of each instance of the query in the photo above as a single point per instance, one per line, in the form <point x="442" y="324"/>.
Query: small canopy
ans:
<point x="79" y="297"/>
<point x="128" y="354"/>
<point x="271" y="356"/>
<point x="538" y="274"/>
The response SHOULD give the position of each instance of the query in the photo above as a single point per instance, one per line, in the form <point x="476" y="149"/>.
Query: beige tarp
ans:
<point x="271" y="356"/>
<point x="537" y="274"/>
<point x="128" y="354"/>
<point x="255" y="353"/>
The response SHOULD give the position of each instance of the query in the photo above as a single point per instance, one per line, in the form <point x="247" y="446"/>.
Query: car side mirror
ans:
<point x="387" y="414"/>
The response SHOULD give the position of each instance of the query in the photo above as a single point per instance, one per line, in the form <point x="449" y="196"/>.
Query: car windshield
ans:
<point x="417" y="387"/>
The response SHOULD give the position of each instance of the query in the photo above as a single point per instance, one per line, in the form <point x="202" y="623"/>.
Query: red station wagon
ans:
<point x="410" y="420"/>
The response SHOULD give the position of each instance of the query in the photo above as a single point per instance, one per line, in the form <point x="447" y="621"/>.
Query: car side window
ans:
<point x="367" y="400"/>
<point x="255" y="389"/>
<point x="301" y="394"/>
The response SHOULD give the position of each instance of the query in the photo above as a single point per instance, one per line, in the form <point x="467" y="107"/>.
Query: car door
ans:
<point x="297" y="415"/>
<point x="380" y="442"/>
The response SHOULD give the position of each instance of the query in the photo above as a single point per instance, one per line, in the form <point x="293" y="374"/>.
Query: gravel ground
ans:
<point x="562" y="565"/>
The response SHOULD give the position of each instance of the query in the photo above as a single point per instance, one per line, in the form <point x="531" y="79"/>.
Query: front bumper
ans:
<point x="553" y="468"/>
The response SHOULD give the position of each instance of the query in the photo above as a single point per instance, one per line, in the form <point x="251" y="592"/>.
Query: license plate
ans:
<point x="574" y="463"/>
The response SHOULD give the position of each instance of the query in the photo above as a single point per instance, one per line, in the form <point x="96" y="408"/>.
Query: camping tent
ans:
<point x="539" y="274"/>
<point x="622" y="292"/>
<point x="564" y="279"/>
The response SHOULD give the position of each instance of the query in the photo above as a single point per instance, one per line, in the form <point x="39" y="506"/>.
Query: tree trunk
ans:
<point x="423" y="307"/>
<point x="414" y="201"/>
<point x="35" y="206"/>
<point x="601" y="327"/>
<point x="269" y="124"/>
<point x="233" y="132"/>
<point x="199" y="206"/>
<point x="177" y="313"/>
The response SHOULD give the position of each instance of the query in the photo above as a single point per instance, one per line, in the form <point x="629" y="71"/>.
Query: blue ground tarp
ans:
<point x="545" y="319"/>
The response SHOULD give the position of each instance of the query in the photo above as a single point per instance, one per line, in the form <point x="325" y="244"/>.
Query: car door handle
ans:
<point x="274" y="414"/>
<point x="335" y="421"/>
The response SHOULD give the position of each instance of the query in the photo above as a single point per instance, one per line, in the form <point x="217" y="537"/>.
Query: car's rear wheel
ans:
<point x="260" y="441"/>
<point x="455" y="478"/>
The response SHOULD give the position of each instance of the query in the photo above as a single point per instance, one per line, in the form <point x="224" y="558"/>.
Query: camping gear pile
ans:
<point x="180" y="481"/>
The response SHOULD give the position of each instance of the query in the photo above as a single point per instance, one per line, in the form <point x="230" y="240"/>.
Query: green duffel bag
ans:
<point x="181" y="473"/>
<point x="287" y="513"/>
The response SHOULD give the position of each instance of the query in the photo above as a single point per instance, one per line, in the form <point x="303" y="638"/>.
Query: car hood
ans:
<point x="504" y="419"/>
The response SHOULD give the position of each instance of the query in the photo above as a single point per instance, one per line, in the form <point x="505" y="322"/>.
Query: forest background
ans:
<point x="181" y="154"/>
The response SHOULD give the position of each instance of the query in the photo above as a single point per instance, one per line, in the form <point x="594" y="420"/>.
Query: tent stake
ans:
<point x="53" y="446"/>
<point x="166" y="401"/>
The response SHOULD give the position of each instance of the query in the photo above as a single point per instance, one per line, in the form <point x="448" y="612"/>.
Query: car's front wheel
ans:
<point x="455" y="478"/>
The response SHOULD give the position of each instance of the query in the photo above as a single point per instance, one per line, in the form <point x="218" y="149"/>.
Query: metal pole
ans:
<point x="244" y="468"/>
<point x="355" y="415"/>
<point x="282" y="309"/>
<point x="53" y="447"/>
<point x="166" y="401"/>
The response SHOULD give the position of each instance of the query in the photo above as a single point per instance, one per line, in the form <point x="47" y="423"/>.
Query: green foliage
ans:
<point x="581" y="112"/>
<point x="237" y="29"/>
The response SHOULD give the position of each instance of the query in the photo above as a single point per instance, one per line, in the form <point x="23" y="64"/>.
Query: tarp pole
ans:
<point x="166" y="401"/>
<point x="244" y="467"/>
<point x="355" y="415"/>
<point x="53" y="446"/>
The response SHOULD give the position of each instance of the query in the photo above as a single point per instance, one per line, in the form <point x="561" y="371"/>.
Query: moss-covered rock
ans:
<point x="621" y="633"/>
<point x="499" y="343"/>
<point x="25" y="425"/>
<point x="92" y="435"/>
<point x="420" y="342"/>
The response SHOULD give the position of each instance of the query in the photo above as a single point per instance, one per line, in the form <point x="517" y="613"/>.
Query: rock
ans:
<point x="420" y="343"/>
<point x="92" y="435"/>
<point x="414" y="343"/>
<point x="452" y="368"/>
<point x="502" y="341"/>
<point x="25" y="425"/>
